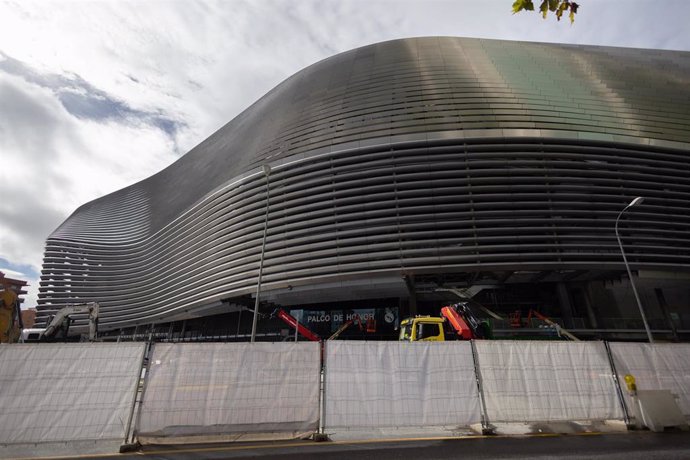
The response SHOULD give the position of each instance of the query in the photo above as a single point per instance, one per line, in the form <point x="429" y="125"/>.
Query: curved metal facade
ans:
<point x="427" y="155"/>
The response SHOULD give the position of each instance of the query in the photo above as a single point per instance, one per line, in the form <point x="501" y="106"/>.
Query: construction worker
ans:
<point x="9" y="332"/>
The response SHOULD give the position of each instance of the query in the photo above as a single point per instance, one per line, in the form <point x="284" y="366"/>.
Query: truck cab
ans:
<point x="422" y="328"/>
<point x="457" y="322"/>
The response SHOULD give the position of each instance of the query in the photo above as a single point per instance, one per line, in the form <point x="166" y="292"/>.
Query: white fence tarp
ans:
<point x="67" y="392"/>
<point x="231" y="388"/>
<point x="539" y="381"/>
<point x="659" y="366"/>
<point x="399" y="384"/>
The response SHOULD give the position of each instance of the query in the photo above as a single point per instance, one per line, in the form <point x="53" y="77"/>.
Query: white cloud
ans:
<point x="95" y="96"/>
<point x="53" y="162"/>
<point x="9" y="273"/>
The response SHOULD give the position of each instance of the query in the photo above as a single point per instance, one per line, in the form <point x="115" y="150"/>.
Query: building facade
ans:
<point x="401" y="171"/>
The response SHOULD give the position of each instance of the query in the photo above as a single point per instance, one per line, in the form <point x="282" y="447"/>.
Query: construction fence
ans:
<point x="387" y="386"/>
<point x="544" y="382"/>
<point x="66" y="393"/>
<point x="242" y="391"/>
<point x="234" y="390"/>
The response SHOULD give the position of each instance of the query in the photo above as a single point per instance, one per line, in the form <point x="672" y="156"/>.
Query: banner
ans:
<point x="540" y="381"/>
<point x="399" y="384"/>
<point x="68" y="391"/>
<point x="231" y="388"/>
<point x="659" y="366"/>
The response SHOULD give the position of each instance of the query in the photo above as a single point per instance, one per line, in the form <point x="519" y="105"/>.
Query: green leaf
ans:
<point x="561" y="9"/>
<point x="520" y="5"/>
<point x="544" y="8"/>
<point x="572" y="15"/>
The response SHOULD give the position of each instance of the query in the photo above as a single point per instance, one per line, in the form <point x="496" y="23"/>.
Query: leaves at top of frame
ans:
<point x="520" y="5"/>
<point x="559" y="7"/>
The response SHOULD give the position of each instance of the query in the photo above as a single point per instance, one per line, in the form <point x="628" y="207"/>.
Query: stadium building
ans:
<point x="395" y="178"/>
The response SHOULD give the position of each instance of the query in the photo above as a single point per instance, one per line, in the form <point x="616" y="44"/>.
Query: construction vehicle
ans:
<point x="516" y="322"/>
<point x="347" y="324"/>
<point x="456" y="322"/>
<point x="313" y="336"/>
<point x="59" y="324"/>
<point x="10" y="313"/>
<point x="293" y="323"/>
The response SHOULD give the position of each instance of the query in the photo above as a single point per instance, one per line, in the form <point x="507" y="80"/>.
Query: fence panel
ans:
<point x="235" y="389"/>
<point x="67" y="392"/>
<point x="659" y="366"/>
<point x="399" y="384"/>
<point x="538" y="381"/>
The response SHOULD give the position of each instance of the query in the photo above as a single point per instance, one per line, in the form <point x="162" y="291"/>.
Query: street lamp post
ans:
<point x="267" y="172"/>
<point x="634" y="202"/>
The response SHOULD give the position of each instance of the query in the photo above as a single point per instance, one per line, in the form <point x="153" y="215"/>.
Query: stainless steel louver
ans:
<point x="425" y="155"/>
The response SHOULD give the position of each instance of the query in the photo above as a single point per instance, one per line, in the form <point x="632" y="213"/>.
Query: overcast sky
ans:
<point x="97" y="95"/>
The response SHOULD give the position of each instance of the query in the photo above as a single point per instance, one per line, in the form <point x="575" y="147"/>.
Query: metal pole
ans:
<point x="616" y="382"/>
<point x="486" y="425"/>
<point x="634" y="202"/>
<point x="297" y="329"/>
<point x="130" y="418"/>
<point x="322" y="393"/>
<point x="267" y="172"/>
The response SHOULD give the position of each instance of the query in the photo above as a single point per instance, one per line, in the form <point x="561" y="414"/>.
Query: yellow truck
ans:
<point x="426" y="328"/>
<point x="457" y="322"/>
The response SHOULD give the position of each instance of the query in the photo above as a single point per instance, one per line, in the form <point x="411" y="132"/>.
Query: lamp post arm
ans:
<point x="618" y="237"/>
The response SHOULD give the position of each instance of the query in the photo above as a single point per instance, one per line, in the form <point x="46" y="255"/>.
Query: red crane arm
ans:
<point x="292" y="322"/>
<point x="458" y="322"/>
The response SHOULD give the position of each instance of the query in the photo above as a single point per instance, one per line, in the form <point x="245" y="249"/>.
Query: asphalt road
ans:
<point x="628" y="446"/>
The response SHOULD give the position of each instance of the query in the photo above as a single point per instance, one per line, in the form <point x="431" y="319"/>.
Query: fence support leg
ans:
<point x="129" y="445"/>
<point x="321" y="435"/>
<point x="619" y="390"/>
<point x="487" y="428"/>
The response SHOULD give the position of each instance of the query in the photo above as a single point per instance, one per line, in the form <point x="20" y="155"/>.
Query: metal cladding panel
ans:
<point x="427" y="154"/>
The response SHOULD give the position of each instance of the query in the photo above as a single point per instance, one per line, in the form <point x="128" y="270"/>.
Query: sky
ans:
<point x="95" y="96"/>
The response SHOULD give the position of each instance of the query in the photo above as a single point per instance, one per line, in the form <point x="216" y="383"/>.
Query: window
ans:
<point x="425" y="331"/>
